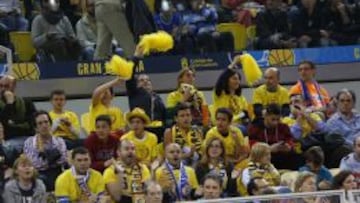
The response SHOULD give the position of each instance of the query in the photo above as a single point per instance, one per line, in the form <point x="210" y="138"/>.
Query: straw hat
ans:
<point x="138" y="113"/>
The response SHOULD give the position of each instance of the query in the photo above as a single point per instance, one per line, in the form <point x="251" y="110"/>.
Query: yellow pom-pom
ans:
<point x="158" y="42"/>
<point x="251" y="68"/>
<point x="120" y="67"/>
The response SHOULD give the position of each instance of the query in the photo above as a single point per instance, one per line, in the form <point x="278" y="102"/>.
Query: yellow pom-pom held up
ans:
<point x="250" y="68"/>
<point x="157" y="42"/>
<point x="120" y="67"/>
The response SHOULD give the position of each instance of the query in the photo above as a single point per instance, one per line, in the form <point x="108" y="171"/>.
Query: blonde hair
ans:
<point x="258" y="151"/>
<point x="301" y="178"/>
<point x="23" y="159"/>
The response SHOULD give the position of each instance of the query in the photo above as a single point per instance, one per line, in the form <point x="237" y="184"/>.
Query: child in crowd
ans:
<point x="314" y="158"/>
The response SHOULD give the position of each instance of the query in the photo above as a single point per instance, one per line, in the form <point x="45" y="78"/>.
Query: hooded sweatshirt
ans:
<point x="13" y="193"/>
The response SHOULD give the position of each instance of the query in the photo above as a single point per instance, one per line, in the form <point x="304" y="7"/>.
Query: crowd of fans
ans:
<point x="113" y="26"/>
<point x="183" y="148"/>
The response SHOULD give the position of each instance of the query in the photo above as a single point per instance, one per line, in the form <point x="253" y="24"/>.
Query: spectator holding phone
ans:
<point x="270" y="130"/>
<point x="307" y="128"/>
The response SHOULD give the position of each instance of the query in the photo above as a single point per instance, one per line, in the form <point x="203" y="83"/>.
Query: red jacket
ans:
<point x="258" y="133"/>
<point x="100" y="151"/>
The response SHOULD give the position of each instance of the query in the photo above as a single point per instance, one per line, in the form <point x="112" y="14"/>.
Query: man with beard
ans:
<point x="270" y="130"/>
<point x="125" y="179"/>
<point x="183" y="133"/>
<point x="79" y="183"/>
<point x="271" y="92"/>
<point x="178" y="181"/>
<point x="53" y="35"/>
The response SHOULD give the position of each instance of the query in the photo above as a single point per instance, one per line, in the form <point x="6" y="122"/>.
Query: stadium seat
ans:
<point x="85" y="122"/>
<point x="237" y="30"/>
<point x="23" y="45"/>
<point x="151" y="5"/>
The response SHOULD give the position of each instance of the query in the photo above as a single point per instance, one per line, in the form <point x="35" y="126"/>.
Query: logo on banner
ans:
<point x="26" y="71"/>
<point x="281" y="57"/>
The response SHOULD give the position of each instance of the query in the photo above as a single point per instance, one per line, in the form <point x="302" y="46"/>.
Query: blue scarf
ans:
<point x="306" y="94"/>
<point x="183" y="179"/>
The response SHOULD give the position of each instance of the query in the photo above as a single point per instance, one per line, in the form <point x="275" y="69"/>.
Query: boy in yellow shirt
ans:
<point x="65" y="123"/>
<point x="235" y="147"/>
<point x="80" y="183"/>
<point x="125" y="179"/>
<point x="145" y="142"/>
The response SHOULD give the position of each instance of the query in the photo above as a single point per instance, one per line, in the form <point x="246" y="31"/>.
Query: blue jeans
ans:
<point x="88" y="54"/>
<point x="15" y="23"/>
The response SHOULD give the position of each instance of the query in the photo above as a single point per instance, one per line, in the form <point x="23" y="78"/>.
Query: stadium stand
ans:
<point x="186" y="124"/>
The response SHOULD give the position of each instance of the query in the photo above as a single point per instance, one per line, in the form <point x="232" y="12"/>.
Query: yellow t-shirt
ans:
<point x="115" y="113"/>
<point x="233" y="102"/>
<point x="229" y="142"/>
<point x="192" y="179"/>
<point x="63" y="130"/>
<point x="176" y="97"/>
<point x="67" y="186"/>
<point x="110" y="177"/>
<point x="146" y="149"/>
<point x="264" y="97"/>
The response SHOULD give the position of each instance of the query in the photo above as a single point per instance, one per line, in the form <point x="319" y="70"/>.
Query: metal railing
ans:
<point x="354" y="196"/>
<point x="337" y="196"/>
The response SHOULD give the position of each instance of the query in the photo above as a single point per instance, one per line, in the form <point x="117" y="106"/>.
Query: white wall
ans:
<point x="82" y="105"/>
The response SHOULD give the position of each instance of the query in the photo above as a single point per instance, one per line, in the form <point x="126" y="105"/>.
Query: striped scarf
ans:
<point x="306" y="94"/>
<point x="82" y="182"/>
<point x="183" y="180"/>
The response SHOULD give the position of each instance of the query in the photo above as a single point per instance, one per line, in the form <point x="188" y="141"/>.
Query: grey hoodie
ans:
<point x="12" y="192"/>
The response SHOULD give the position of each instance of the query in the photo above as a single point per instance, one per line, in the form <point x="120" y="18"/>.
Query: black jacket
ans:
<point x="269" y="23"/>
<point x="139" y="97"/>
<point x="304" y="24"/>
<point x="139" y="17"/>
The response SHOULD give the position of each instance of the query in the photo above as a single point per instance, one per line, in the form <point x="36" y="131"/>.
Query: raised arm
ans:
<point x="96" y="96"/>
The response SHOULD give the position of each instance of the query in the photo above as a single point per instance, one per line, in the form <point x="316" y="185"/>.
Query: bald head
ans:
<point x="173" y="154"/>
<point x="7" y="83"/>
<point x="126" y="151"/>
<point x="272" y="77"/>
